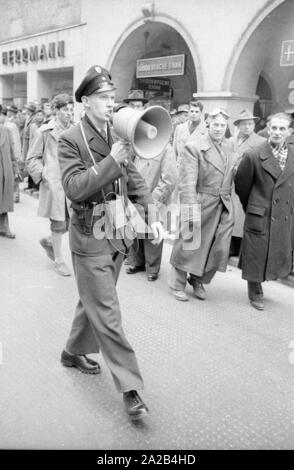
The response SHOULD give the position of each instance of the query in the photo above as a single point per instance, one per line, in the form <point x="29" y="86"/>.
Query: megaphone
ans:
<point x="148" y="131"/>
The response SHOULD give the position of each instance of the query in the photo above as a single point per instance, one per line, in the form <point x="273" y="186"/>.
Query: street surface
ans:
<point x="217" y="373"/>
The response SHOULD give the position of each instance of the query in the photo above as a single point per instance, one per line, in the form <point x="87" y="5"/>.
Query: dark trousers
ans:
<point x="143" y="253"/>
<point x="31" y="184"/>
<point x="97" y="324"/>
<point x="255" y="291"/>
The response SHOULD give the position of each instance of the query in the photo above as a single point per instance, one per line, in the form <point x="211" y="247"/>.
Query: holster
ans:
<point x="84" y="212"/>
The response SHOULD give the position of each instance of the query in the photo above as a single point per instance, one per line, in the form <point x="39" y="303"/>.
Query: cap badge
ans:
<point x="98" y="69"/>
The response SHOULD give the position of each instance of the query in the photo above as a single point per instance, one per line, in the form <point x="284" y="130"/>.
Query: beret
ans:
<point x="97" y="79"/>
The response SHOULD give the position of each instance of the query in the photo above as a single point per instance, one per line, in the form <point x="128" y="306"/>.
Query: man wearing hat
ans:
<point x="191" y="129"/>
<point x="245" y="140"/>
<point x="136" y="99"/>
<point x="97" y="175"/>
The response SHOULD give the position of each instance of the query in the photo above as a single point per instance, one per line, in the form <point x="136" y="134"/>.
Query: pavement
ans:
<point x="218" y="374"/>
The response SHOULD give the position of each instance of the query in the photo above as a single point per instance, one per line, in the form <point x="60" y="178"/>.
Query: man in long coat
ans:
<point x="205" y="183"/>
<point x="160" y="174"/>
<point x="95" y="172"/>
<point x="264" y="183"/>
<point x="245" y="140"/>
<point x="8" y="168"/>
<point x="191" y="129"/>
<point x="43" y="166"/>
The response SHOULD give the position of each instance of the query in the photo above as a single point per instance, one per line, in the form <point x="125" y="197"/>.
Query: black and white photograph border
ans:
<point x="218" y="374"/>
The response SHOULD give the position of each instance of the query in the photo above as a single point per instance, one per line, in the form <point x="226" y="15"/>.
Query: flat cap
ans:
<point x="97" y="79"/>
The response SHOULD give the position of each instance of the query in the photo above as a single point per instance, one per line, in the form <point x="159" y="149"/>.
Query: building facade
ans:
<point x="230" y="53"/>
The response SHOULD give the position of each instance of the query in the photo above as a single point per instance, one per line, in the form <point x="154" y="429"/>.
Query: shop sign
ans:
<point x="161" y="66"/>
<point x="287" y="53"/>
<point x="34" y="53"/>
<point x="154" y="84"/>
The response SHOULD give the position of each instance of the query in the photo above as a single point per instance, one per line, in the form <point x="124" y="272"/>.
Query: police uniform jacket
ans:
<point x="87" y="185"/>
<point x="266" y="194"/>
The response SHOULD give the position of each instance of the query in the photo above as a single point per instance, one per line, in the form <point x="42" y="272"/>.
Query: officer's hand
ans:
<point x="121" y="151"/>
<point x="158" y="232"/>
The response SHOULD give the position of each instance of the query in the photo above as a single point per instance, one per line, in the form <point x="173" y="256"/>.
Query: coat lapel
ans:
<point x="289" y="167"/>
<point x="268" y="161"/>
<point x="212" y="155"/>
<point x="95" y="141"/>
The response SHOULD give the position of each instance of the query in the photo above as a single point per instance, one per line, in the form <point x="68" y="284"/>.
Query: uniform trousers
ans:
<point x="97" y="324"/>
<point x="143" y="253"/>
<point x="178" y="278"/>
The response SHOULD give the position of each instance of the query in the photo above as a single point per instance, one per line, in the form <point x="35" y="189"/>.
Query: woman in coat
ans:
<point x="205" y="183"/>
<point x="8" y="167"/>
<point x="43" y="166"/>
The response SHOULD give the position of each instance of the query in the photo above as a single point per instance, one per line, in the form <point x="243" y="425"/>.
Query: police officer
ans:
<point x="95" y="171"/>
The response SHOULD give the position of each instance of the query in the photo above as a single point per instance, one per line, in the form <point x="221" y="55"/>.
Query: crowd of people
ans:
<point x="234" y="191"/>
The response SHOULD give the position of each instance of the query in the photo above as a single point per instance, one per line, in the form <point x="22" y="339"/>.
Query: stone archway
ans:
<point x="153" y="39"/>
<point x="258" y="53"/>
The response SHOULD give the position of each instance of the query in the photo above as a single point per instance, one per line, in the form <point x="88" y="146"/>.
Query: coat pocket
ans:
<point x="255" y="219"/>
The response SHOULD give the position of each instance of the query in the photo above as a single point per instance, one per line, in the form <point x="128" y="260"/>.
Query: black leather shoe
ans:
<point x="152" y="277"/>
<point x="134" y="404"/>
<point x="255" y="294"/>
<point x="134" y="269"/>
<point x="81" y="362"/>
<point x="257" y="303"/>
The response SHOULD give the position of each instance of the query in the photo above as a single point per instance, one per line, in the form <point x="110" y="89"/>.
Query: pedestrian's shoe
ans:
<point x="126" y="262"/>
<point x="134" y="404"/>
<point x="258" y="304"/>
<point x="152" y="277"/>
<point x="81" y="362"/>
<point x="7" y="234"/>
<point x="180" y="295"/>
<point x="47" y="245"/>
<point x="255" y="294"/>
<point x="61" y="269"/>
<point x="134" y="269"/>
<point x="199" y="291"/>
<point x="198" y="288"/>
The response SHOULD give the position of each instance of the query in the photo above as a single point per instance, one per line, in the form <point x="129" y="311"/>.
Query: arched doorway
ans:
<point x="154" y="40"/>
<point x="262" y="70"/>
<point x="263" y="106"/>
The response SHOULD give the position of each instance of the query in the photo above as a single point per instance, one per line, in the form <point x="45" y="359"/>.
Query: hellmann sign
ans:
<point x="34" y="53"/>
<point x="161" y="66"/>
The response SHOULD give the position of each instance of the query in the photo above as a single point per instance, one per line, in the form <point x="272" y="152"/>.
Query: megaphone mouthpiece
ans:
<point x="147" y="130"/>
